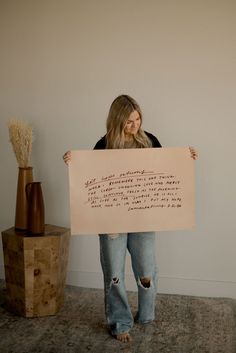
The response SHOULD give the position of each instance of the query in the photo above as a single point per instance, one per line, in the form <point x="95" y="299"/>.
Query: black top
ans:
<point x="101" y="144"/>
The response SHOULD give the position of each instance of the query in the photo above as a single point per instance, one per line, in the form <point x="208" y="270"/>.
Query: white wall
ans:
<point x="61" y="65"/>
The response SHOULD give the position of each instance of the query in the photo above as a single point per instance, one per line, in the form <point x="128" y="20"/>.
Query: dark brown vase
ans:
<point x="35" y="208"/>
<point x="25" y="176"/>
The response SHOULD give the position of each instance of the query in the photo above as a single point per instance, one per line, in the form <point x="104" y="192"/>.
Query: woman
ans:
<point x="124" y="131"/>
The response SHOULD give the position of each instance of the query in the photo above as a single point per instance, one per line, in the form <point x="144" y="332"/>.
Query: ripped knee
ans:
<point x="145" y="282"/>
<point x="115" y="280"/>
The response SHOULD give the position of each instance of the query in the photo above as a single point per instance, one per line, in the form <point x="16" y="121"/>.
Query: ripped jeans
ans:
<point x="141" y="247"/>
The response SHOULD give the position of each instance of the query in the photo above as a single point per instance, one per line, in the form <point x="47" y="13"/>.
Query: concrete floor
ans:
<point x="183" y="325"/>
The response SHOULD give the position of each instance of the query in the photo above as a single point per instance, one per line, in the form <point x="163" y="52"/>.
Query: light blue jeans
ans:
<point x="141" y="247"/>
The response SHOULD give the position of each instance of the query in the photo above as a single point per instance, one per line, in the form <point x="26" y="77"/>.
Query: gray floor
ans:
<point x="183" y="325"/>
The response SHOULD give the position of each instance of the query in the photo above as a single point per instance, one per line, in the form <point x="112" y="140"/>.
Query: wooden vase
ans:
<point x="35" y="208"/>
<point x="25" y="176"/>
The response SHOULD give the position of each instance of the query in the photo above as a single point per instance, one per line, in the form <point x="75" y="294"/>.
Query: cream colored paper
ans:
<point x="131" y="190"/>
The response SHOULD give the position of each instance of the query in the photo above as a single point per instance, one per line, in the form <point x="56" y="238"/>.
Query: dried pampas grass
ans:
<point x="21" y="135"/>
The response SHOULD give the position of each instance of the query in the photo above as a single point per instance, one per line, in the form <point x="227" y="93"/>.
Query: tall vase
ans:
<point x="25" y="176"/>
<point x="35" y="208"/>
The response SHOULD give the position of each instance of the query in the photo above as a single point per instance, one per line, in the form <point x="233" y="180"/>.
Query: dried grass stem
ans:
<point x="21" y="135"/>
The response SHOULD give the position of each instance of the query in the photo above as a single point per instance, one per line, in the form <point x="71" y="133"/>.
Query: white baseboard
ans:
<point x="197" y="287"/>
<point x="168" y="285"/>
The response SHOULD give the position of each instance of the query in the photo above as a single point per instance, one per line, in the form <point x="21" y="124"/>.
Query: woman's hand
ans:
<point x="67" y="157"/>
<point x="193" y="153"/>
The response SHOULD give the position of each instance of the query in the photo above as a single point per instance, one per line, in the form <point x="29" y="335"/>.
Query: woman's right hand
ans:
<point x="67" y="157"/>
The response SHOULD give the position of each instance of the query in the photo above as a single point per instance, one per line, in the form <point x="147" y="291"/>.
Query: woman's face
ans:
<point x="132" y="125"/>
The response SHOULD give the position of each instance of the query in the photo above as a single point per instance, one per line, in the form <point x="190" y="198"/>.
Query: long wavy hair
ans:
<point x="119" y="113"/>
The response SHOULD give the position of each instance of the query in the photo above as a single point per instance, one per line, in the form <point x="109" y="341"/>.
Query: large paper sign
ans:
<point x="131" y="190"/>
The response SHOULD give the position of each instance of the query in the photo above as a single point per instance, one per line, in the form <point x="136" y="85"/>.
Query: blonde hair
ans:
<point x="119" y="113"/>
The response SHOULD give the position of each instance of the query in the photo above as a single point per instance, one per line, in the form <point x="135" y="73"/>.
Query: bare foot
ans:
<point x="124" y="337"/>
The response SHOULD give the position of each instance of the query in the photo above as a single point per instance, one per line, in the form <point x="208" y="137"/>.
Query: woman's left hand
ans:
<point x="193" y="153"/>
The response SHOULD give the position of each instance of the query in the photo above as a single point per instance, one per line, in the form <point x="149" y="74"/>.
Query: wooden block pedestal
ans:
<point x="35" y="270"/>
